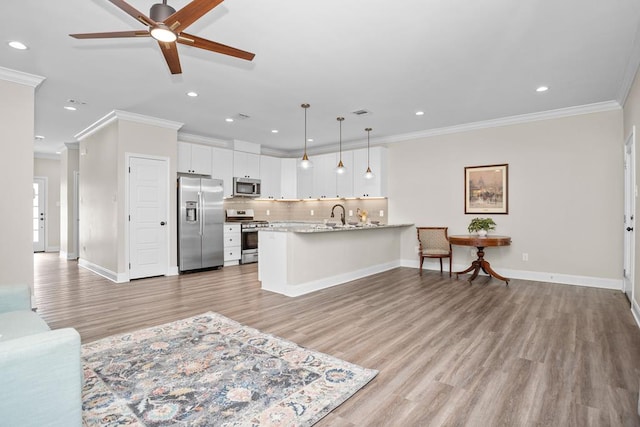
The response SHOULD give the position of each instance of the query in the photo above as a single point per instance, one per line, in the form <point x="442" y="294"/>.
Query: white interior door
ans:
<point x="148" y="212"/>
<point x="39" y="214"/>
<point x="629" y="215"/>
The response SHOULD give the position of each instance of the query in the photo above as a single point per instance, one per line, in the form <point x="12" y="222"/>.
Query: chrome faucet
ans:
<point x="341" y="215"/>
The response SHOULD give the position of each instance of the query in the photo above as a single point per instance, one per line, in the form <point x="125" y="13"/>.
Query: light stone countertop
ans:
<point x="321" y="228"/>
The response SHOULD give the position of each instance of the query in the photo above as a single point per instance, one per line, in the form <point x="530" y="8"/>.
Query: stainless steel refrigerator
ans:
<point x="201" y="225"/>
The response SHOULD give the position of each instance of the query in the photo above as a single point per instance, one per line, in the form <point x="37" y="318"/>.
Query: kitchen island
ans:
<point x="299" y="259"/>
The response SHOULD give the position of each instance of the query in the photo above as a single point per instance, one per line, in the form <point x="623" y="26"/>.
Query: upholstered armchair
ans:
<point x="40" y="369"/>
<point x="434" y="243"/>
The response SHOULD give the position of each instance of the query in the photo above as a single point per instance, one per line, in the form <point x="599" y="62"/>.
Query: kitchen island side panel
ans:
<point x="297" y="263"/>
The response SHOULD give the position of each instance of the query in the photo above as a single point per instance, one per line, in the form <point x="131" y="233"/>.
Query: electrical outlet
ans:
<point x="268" y="212"/>
<point x="312" y="212"/>
<point x="381" y="213"/>
<point x="350" y="212"/>
<point x="525" y="256"/>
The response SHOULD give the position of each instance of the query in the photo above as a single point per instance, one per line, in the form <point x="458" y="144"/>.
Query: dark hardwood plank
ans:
<point x="449" y="354"/>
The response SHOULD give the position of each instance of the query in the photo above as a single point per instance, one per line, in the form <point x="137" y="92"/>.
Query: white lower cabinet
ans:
<point x="232" y="244"/>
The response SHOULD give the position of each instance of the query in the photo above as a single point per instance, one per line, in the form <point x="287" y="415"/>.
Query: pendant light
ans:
<point x="368" y="174"/>
<point x="305" y="163"/>
<point x="340" y="169"/>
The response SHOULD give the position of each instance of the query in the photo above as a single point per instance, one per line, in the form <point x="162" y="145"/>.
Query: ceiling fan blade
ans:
<point x="170" y="52"/>
<point x="111" y="35"/>
<point x="199" y="42"/>
<point x="190" y="14"/>
<point x="135" y="13"/>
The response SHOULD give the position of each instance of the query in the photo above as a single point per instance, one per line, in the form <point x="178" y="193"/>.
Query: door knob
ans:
<point x="629" y="228"/>
<point x="162" y="223"/>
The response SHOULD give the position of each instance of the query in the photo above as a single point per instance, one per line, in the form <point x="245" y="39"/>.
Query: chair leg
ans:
<point x="421" y="261"/>
<point x="450" y="261"/>
<point x="440" y="265"/>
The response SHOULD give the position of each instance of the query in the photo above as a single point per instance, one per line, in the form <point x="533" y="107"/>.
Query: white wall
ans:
<point x="103" y="175"/>
<point x="50" y="168"/>
<point x="69" y="163"/>
<point x="16" y="166"/>
<point x="151" y="140"/>
<point x="99" y="198"/>
<point x="565" y="195"/>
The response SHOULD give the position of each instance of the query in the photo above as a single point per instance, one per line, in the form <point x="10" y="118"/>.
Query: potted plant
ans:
<point x="481" y="226"/>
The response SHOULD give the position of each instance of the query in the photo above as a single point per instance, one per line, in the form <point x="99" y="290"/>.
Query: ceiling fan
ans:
<point x="166" y="26"/>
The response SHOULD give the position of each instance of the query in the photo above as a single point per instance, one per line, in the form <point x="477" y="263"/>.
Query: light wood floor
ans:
<point x="531" y="354"/>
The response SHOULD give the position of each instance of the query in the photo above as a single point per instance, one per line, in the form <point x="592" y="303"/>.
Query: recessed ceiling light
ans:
<point x="309" y="139"/>
<point x="419" y="113"/>
<point x="274" y="130"/>
<point x="58" y="152"/>
<point x="542" y="89"/>
<point x="70" y="108"/>
<point x="18" y="45"/>
<point x="192" y="94"/>
<point x="39" y="137"/>
<point x="228" y="119"/>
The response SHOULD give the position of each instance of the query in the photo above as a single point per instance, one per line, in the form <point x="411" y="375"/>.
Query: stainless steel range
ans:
<point x="249" y="228"/>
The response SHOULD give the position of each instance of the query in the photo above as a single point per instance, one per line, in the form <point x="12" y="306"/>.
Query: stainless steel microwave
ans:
<point x="246" y="187"/>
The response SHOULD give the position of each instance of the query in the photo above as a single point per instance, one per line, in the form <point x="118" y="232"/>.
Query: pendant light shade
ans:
<point x="368" y="174"/>
<point x="305" y="163"/>
<point x="340" y="169"/>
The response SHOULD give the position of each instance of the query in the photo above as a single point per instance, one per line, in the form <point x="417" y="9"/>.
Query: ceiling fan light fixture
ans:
<point x="163" y="34"/>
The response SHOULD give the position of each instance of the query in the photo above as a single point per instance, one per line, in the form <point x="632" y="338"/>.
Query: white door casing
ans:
<point x="39" y="213"/>
<point x="630" y="192"/>
<point x="148" y="215"/>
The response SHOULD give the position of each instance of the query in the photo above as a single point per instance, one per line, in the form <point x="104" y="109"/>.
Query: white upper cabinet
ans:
<point x="288" y="178"/>
<point x="376" y="186"/>
<point x="246" y="165"/>
<point x="344" y="181"/>
<point x="324" y="175"/>
<point x="270" y="176"/>
<point x="194" y="158"/>
<point x="222" y="168"/>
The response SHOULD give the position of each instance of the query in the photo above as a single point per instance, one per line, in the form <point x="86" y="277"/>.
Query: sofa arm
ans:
<point x="41" y="379"/>
<point x="14" y="297"/>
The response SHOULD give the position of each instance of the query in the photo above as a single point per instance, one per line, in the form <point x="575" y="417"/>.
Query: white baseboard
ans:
<point x="635" y="311"/>
<point x="68" y="256"/>
<point x="104" y="272"/>
<point x="52" y="249"/>
<point x="173" y="271"/>
<point x="316" y="285"/>
<point x="565" y="279"/>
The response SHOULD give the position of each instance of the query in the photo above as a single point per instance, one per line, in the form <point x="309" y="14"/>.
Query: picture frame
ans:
<point x="486" y="189"/>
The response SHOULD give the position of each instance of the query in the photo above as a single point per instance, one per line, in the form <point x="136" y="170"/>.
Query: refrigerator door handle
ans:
<point x="201" y="209"/>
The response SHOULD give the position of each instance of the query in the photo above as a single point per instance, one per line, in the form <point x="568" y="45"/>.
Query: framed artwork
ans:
<point x="486" y="189"/>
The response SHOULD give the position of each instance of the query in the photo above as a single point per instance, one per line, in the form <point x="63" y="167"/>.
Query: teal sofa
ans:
<point x="40" y="369"/>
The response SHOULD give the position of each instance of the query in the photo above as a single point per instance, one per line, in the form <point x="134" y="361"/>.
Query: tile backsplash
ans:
<point x="310" y="210"/>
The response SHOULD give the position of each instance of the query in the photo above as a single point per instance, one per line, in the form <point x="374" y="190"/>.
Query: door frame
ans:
<point x="630" y="194"/>
<point x="44" y="189"/>
<point x="127" y="209"/>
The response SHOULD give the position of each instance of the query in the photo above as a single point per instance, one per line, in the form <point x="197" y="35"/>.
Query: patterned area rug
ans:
<point x="211" y="371"/>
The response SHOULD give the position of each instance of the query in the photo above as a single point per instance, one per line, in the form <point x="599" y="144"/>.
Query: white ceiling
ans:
<point x="459" y="61"/>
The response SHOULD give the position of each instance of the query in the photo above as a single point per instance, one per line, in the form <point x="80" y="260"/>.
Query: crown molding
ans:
<point x="20" y="77"/>
<point x="147" y="120"/>
<point x="507" y="121"/>
<point x="131" y="117"/>
<point x="205" y="140"/>
<point x="72" y="145"/>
